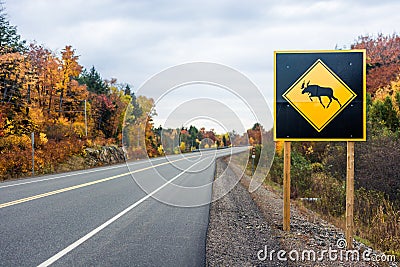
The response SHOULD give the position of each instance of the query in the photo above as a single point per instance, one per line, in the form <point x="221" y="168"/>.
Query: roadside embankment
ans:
<point x="16" y="166"/>
<point x="246" y="230"/>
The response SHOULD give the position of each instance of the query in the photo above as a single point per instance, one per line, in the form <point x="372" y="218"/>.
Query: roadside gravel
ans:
<point x="242" y="224"/>
<point x="237" y="229"/>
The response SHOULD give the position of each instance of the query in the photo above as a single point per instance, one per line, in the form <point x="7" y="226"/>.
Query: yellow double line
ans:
<point x="23" y="200"/>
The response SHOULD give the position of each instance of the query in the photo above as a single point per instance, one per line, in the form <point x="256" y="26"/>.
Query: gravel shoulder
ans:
<point x="241" y="224"/>
<point x="237" y="229"/>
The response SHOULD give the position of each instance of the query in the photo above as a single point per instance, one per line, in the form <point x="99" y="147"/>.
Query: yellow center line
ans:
<point x="23" y="200"/>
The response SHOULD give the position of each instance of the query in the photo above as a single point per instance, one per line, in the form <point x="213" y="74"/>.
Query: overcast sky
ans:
<point x="133" y="40"/>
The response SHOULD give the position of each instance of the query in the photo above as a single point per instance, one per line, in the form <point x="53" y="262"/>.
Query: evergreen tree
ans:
<point x="12" y="65"/>
<point x="193" y="132"/>
<point x="93" y="81"/>
<point x="127" y="90"/>
<point x="10" y="40"/>
<point x="224" y="140"/>
<point x="137" y="110"/>
<point x="386" y="113"/>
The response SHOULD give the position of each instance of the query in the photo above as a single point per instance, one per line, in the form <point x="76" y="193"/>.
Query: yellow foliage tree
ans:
<point x="279" y="147"/>
<point x="160" y="150"/>
<point x="182" y="146"/>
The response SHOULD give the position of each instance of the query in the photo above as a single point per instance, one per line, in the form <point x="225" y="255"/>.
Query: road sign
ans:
<point x="320" y="95"/>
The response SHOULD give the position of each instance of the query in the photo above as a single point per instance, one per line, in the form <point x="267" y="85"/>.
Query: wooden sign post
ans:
<point x="320" y="96"/>
<point x="286" y="187"/>
<point x="350" y="194"/>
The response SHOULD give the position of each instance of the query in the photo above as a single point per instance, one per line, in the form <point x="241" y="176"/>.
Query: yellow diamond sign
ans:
<point x="319" y="95"/>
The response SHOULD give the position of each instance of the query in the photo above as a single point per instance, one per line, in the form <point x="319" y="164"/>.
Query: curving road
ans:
<point x="103" y="217"/>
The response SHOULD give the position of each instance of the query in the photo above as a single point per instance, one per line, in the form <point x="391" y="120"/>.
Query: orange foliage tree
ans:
<point x="383" y="59"/>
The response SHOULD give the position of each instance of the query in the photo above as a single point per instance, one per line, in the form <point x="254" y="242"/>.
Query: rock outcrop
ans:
<point x="105" y="155"/>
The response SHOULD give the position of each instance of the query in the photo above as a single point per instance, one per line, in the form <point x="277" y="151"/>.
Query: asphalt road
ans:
<point x="102" y="217"/>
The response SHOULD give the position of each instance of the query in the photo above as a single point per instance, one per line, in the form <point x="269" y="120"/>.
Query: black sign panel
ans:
<point x="320" y="95"/>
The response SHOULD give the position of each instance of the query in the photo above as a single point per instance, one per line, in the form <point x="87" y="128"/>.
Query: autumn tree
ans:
<point x="254" y="134"/>
<point x="102" y="110"/>
<point x="150" y="138"/>
<point x="134" y="109"/>
<point x="383" y="59"/>
<point x="140" y="127"/>
<point x="12" y="61"/>
<point x="182" y="147"/>
<point x="210" y="135"/>
<point x="46" y="77"/>
<point x="120" y="101"/>
<point x="12" y="78"/>
<point x="71" y="93"/>
<point x="14" y="73"/>
<point x="184" y="135"/>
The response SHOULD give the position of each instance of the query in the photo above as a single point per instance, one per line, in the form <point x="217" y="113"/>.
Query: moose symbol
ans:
<point x="314" y="90"/>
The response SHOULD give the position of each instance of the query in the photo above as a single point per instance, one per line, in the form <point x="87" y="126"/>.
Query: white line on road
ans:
<point x="95" y="170"/>
<point x="66" y="189"/>
<point x="78" y="173"/>
<point x="110" y="221"/>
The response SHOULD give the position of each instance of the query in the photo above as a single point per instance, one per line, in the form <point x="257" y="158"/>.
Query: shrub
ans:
<point x="331" y="193"/>
<point x="334" y="160"/>
<point x="384" y="230"/>
<point x="16" y="160"/>
<point x="376" y="164"/>
<point x="300" y="173"/>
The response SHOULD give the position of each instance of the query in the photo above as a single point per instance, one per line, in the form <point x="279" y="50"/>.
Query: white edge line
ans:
<point x="62" y="176"/>
<point x="78" y="173"/>
<point x="107" y="223"/>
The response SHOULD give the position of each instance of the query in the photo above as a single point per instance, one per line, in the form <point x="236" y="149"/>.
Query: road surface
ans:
<point x="103" y="217"/>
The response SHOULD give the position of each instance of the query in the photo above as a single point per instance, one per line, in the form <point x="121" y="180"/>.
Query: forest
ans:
<point x="69" y="108"/>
